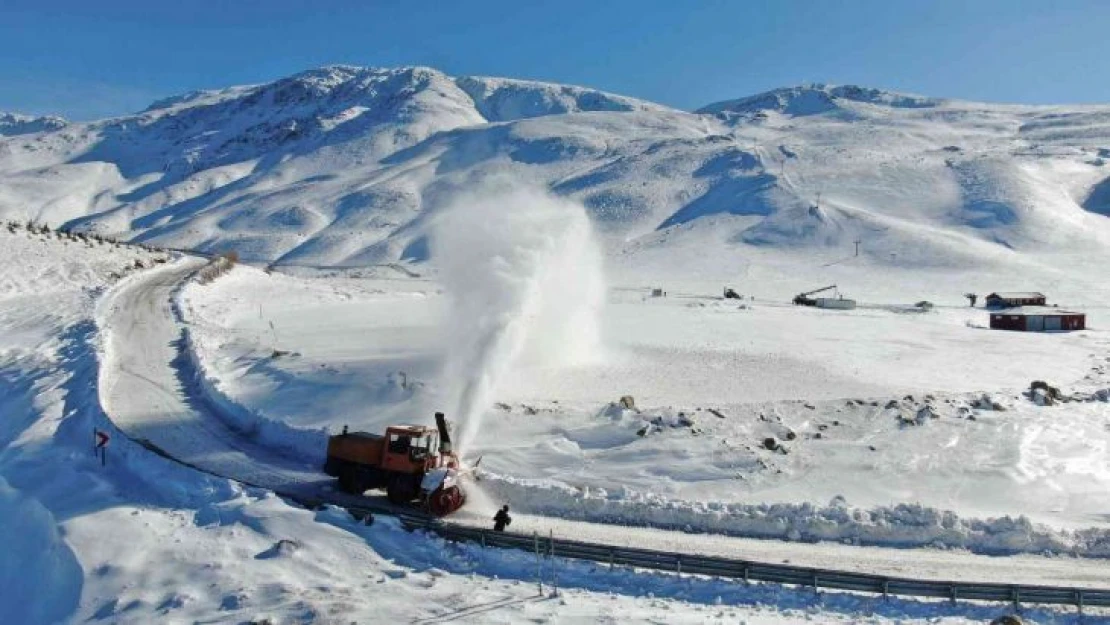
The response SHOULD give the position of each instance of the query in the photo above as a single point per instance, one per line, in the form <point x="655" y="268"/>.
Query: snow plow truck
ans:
<point x="413" y="463"/>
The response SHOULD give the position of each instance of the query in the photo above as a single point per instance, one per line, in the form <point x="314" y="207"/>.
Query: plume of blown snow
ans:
<point x="523" y="276"/>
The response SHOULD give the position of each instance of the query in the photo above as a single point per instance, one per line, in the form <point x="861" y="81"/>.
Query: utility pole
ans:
<point x="857" y="246"/>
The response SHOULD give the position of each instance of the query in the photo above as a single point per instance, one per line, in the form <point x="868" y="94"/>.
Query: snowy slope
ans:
<point x="15" y="124"/>
<point x="344" y="165"/>
<point x="144" y="540"/>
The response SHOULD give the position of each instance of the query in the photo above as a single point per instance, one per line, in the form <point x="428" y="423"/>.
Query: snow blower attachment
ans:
<point x="411" y="462"/>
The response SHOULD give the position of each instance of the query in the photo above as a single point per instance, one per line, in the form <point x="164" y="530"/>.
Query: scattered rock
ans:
<point x="503" y="406"/>
<point x="715" y="413"/>
<point x="872" y="448"/>
<point x="925" y="413"/>
<point x="892" y="404"/>
<point x="1041" y="397"/>
<point x="986" y="403"/>
<point x="810" y="406"/>
<point x="1008" y="619"/>
<point x="627" y="402"/>
<point x="790" y="435"/>
<point x="530" y="411"/>
<point x="282" y="548"/>
<point x="1044" y="394"/>
<point x="770" y="444"/>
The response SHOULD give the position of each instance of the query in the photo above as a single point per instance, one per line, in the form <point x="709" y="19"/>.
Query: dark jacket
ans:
<point x="500" y="520"/>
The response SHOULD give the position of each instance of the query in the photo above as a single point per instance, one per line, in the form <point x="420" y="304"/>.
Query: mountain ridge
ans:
<point x="345" y="165"/>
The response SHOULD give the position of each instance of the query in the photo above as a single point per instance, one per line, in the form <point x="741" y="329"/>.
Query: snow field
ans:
<point x="1029" y="479"/>
<point x="144" y="539"/>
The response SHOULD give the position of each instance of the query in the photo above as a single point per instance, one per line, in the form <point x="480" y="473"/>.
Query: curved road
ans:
<point x="147" y="390"/>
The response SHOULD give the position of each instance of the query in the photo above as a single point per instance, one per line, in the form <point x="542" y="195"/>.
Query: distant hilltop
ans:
<point x="343" y="165"/>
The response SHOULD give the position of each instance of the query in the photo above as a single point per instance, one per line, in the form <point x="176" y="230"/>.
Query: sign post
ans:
<point x="100" y="445"/>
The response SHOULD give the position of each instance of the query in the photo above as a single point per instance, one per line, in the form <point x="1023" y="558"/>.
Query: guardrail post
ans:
<point x="678" y="565"/>
<point x="953" y="595"/>
<point x="745" y="571"/>
<point x="483" y="537"/>
<point x="1079" y="601"/>
<point x="612" y="557"/>
<point x="816" y="584"/>
<point x="539" y="569"/>
<point x="886" y="589"/>
<point x="1015" y="596"/>
<point x="554" y="575"/>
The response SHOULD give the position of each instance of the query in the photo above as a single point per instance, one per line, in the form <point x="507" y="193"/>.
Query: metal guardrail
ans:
<point x="764" y="572"/>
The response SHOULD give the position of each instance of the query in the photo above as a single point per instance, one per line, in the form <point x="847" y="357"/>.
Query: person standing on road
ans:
<point x="502" y="519"/>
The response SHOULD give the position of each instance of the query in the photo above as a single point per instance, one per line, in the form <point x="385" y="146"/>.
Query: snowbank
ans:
<point x="40" y="577"/>
<point x="308" y="444"/>
<point x="305" y="443"/>
<point x="902" y="525"/>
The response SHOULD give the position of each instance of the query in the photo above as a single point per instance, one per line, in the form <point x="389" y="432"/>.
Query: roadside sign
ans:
<point x="100" y="445"/>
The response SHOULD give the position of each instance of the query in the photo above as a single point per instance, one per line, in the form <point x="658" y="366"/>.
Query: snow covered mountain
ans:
<point x="344" y="165"/>
<point x="15" y="124"/>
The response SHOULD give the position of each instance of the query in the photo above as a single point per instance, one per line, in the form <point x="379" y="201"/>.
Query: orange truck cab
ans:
<point x="396" y="461"/>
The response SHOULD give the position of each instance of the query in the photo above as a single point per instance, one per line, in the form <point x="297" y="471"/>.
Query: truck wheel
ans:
<point x="349" y="482"/>
<point x="402" y="489"/>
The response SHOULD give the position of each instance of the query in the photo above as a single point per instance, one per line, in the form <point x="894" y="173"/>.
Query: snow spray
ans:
<point x="523" y="277"/>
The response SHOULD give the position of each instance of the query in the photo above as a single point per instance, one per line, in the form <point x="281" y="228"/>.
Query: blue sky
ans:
<point x="88" y="60"/>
